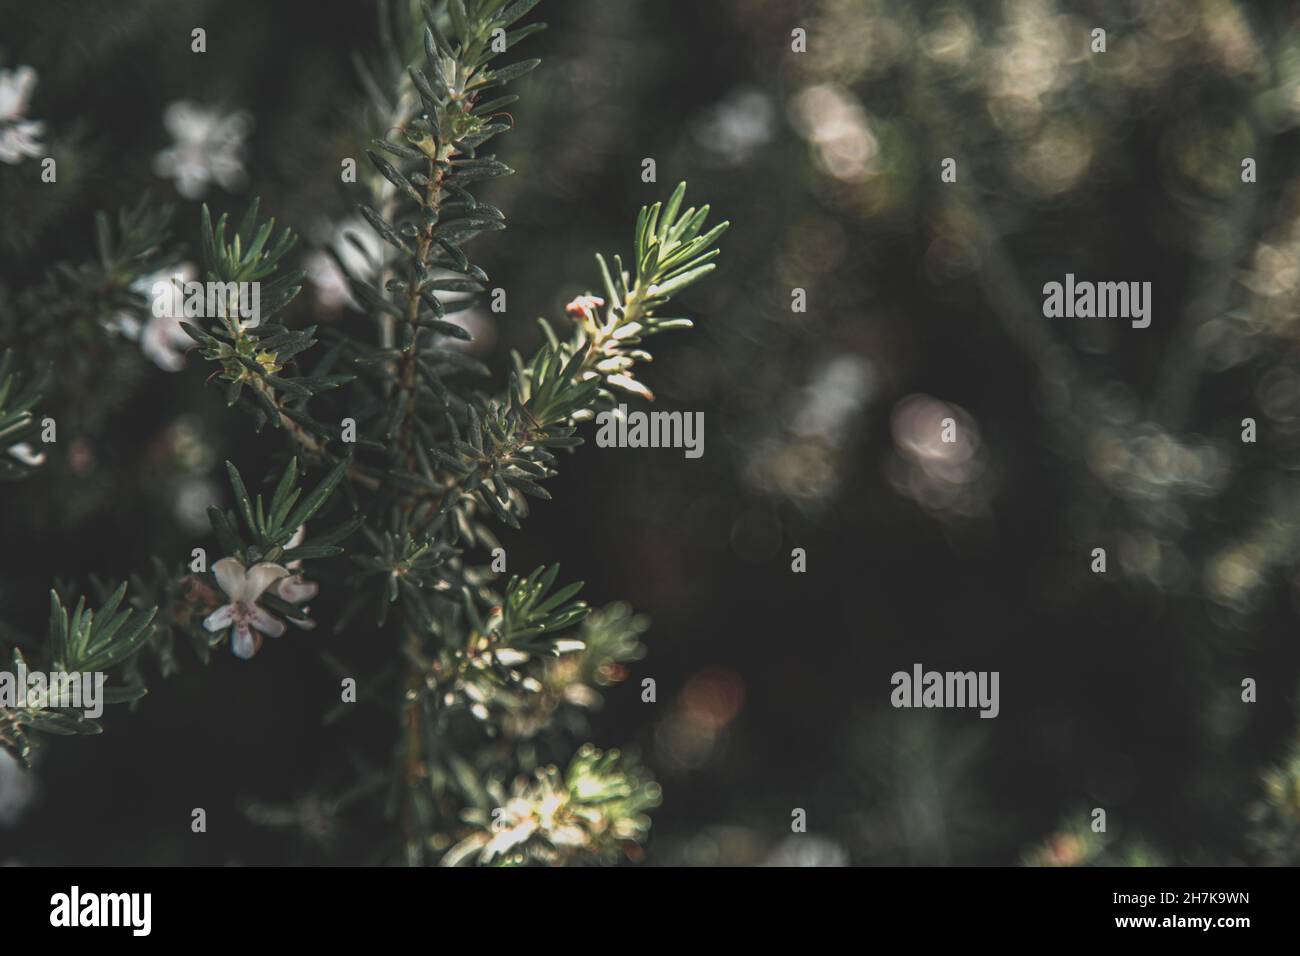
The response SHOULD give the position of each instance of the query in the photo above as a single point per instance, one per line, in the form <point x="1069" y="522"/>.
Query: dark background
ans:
<point x="1119" y="691"/>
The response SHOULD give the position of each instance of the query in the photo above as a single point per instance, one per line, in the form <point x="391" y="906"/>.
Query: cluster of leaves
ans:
<point x="508" y="448"/>
<point x="78" y="305"/>
<point x="276" y="531"/>
<point x="18" y="426"/>
<point x="82" y="300"/>
<point x="454" y="459"/>
<point x="68" y="320"/>
<point x="403" y="564"/>
<point x="271" y="527"/>
<point x="255" y="352"/>
<point x="673" y="252"/>
<point x="256" y="531"/>
<point x="568" y="684"/>
<point x="90" y="641"/>
<point x="67" y="316"/>
<point x="588" y="814"/>
<point x="529" y="622"/>
<point x="83" y="642"/>
<point x="508" y="445"/>
<point x="426" y="215"/>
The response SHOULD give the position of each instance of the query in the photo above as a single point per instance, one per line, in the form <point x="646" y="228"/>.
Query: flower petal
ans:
<point x="231" y="576"/>
<point x="260" y="577"/>
<point x="25" y="453"/>
<point x="295" y="590"/>
<point x="15" y="90"/>
<point x="264" y="620"/>
<point x="244" y="641"/>
<point x="220" y="619"/>
<point x="158" y="343"/>
<point x="186" y="120"/>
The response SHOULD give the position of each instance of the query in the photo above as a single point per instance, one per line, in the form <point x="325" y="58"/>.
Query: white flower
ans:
<point x="294" y="588"/>
<point x="738" y="126"/>
<point x="190" y="501"/>
<point x="244" y="587"/>
<point x="28" y="455"/>
<point x="208" y="148"/>
<point x="18" y="134"/>
<point x="161" y="338"/>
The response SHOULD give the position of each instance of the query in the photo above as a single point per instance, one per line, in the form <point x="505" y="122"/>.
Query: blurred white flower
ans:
<point x="926" y="432"/>
<point x="190" y="503"/>
<point x="831" y="403"/>
<point x="807" y="850"/>
<point x="208" y="147"/>
<point x="834" y="122"/>
<point x="17" y="133"/>
<point x="802" y="461"/>
<point x="1143" y="462"/>
<point x="941" y="461"/>
<point x="161" y="337"/>
<point x="737" y="126"/>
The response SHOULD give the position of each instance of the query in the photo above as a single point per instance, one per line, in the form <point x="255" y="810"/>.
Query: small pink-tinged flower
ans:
<point x="294" y="588"/>
<point x="584" y="307"/>
<point x="244" y="587"/>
